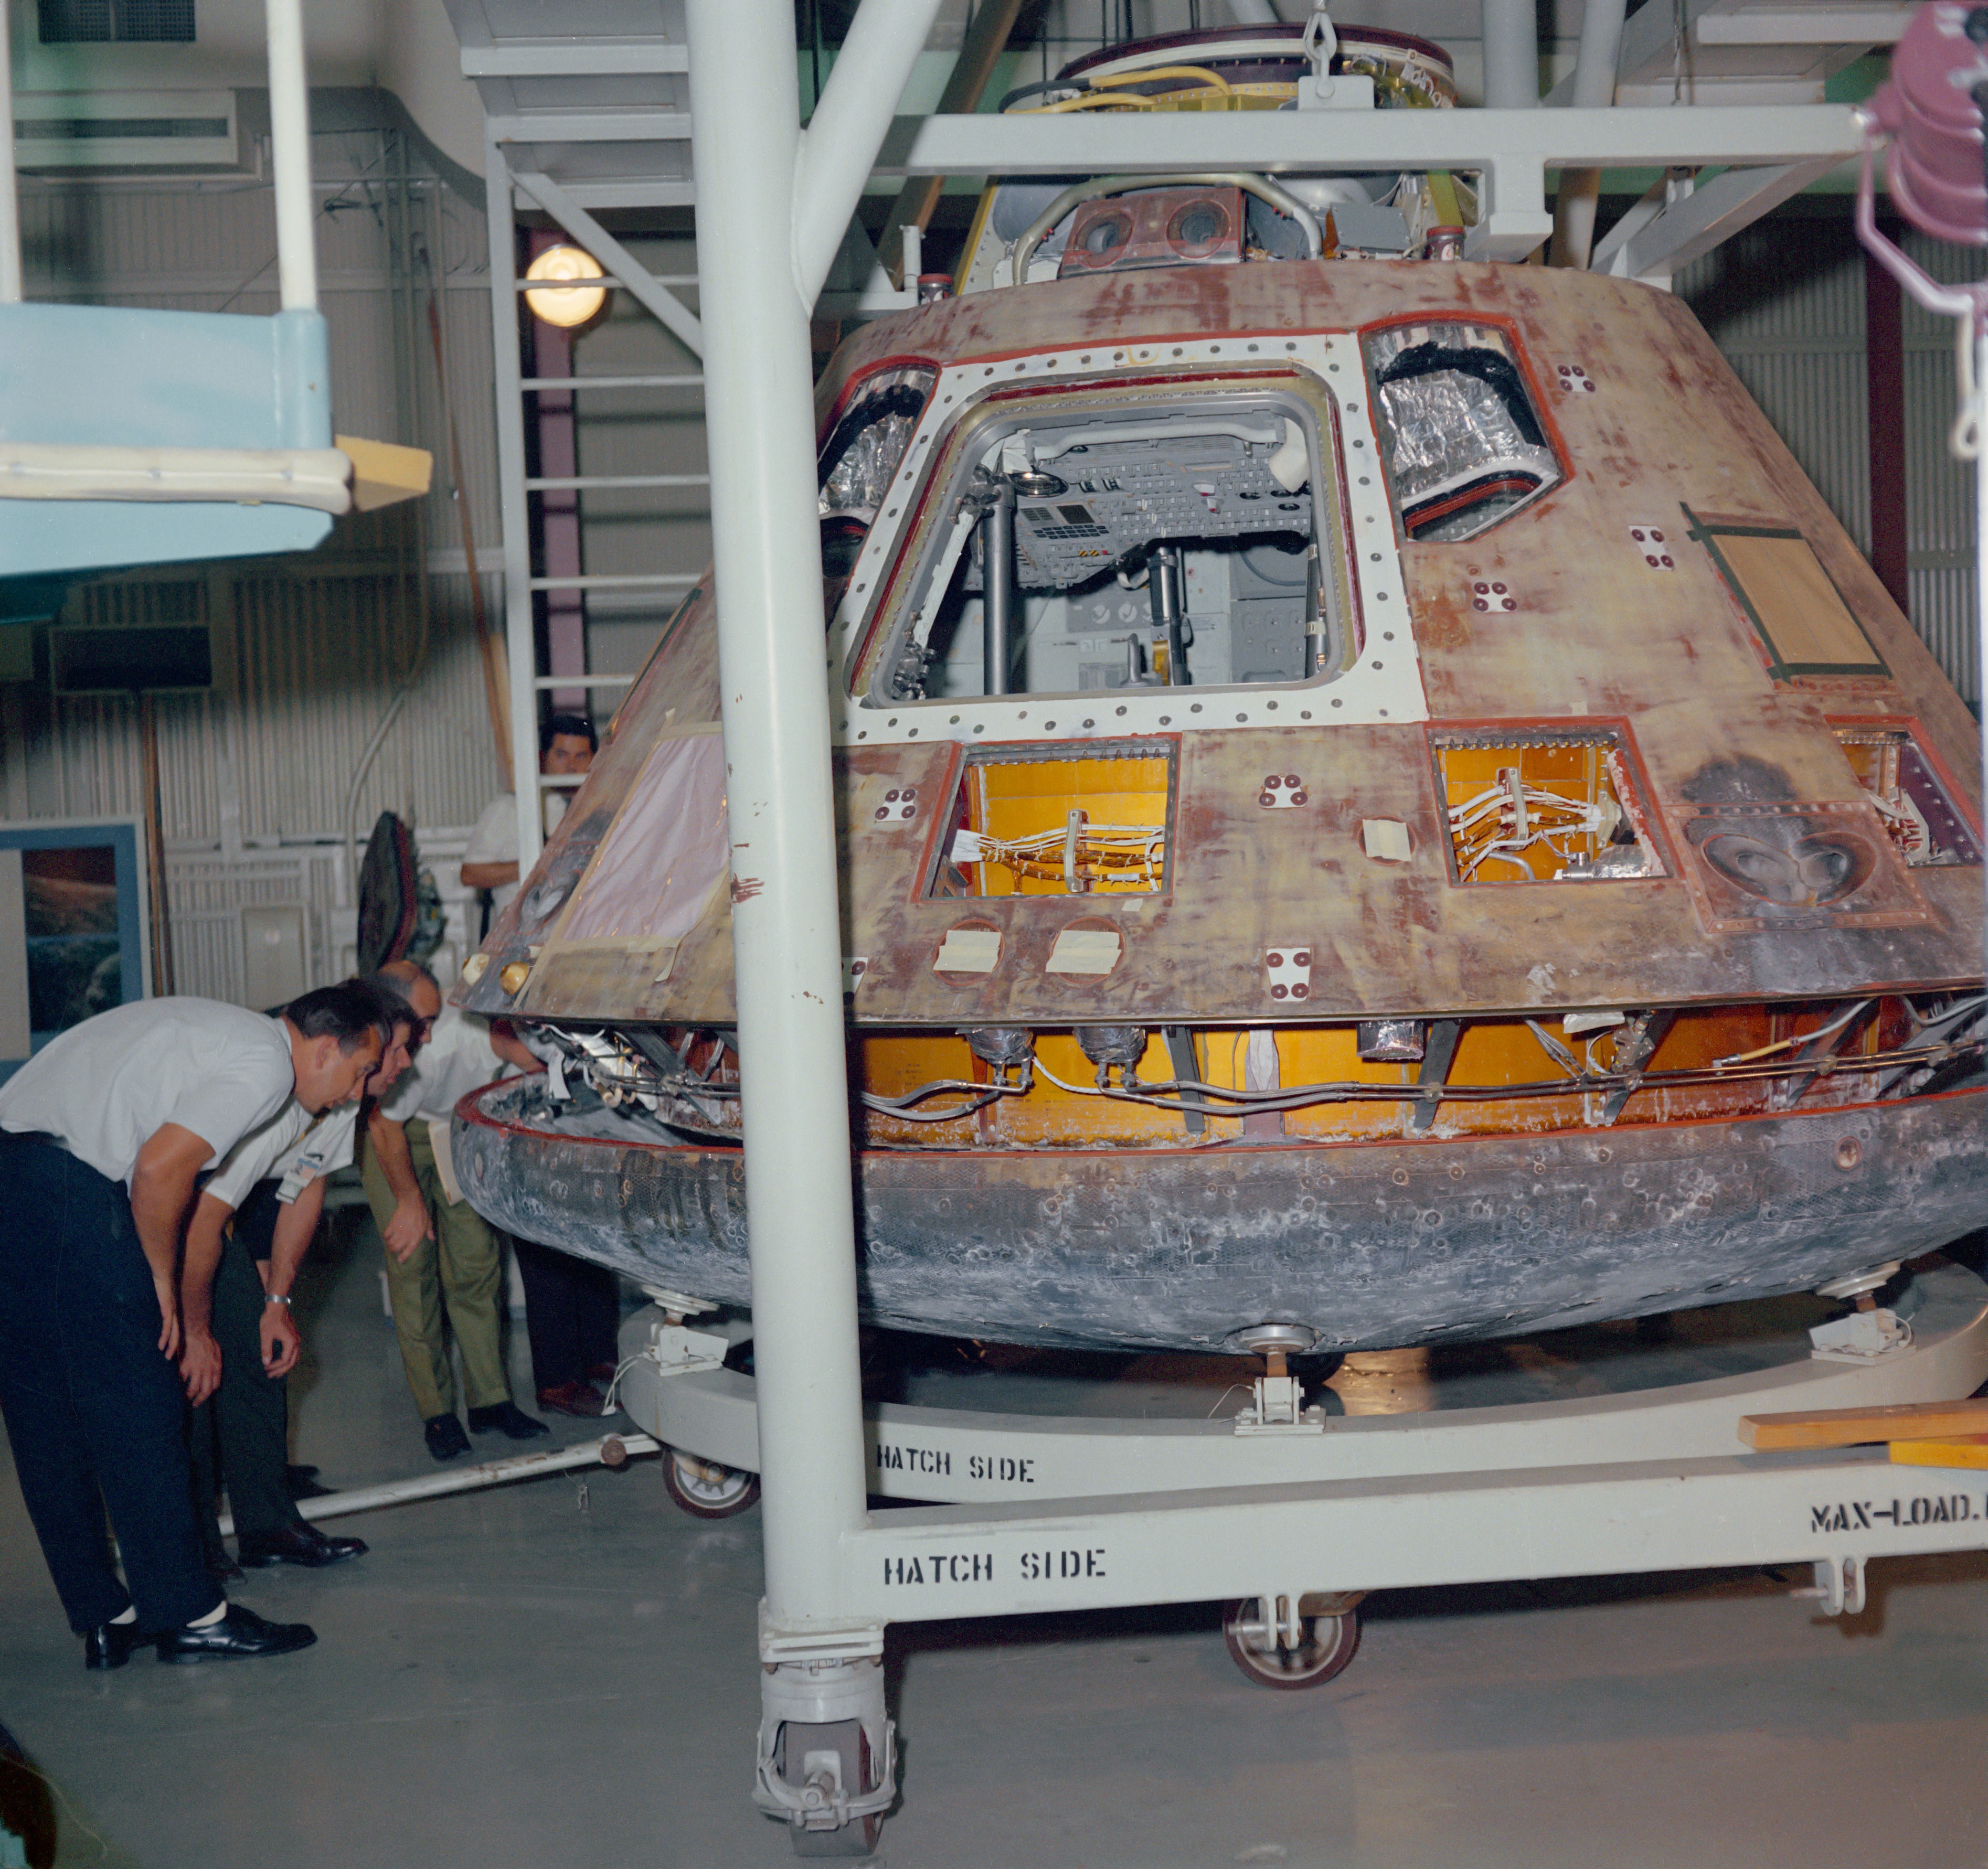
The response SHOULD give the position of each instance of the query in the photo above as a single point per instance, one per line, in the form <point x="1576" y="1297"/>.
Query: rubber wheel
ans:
<point x="1330" y="1643"/>
<point x="704" y="1489"/>
<point x="857" y="1838"/>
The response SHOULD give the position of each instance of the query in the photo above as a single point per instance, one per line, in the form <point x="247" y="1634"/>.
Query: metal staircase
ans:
<point x="597" y="116"/>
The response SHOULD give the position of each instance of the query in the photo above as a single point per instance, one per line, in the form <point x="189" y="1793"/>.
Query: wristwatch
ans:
<point x="280" y="1298"/>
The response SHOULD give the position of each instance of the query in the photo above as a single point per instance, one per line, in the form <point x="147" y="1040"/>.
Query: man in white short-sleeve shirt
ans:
<point x="439" y="1251"/>
<point x="566" y="746"/>
<point x="106" y="1085"/>
<point x="103" y="1135"/>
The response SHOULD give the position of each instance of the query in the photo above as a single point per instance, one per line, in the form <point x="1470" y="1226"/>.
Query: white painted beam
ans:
<point x="1690" y="135"/>
<point x="591" y="127"/>
<point x="596" y="58"/>
<point x="921" y="1564"/>
<point x="621" y="192"/>
<point x="1712" y="214"/>
<point x="1511" y="55"/>
<point x="1593" y="86"/>
<point x="1825" y="25"/>
<point x="840" y="144"/>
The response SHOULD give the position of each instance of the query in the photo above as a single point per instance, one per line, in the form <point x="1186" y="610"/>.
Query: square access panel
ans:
<point x="1544" y="804"/>
<point x="1926" y="825"/>
<point x="1803" y="624"/>
<point x="1096" y="819"/>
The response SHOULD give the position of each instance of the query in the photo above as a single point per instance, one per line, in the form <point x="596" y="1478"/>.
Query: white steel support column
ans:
<point x="10" y="200"/>
<point x="1594" y="68"/>
<point x="289" y="154"/>
<point x="785" y="929"/>
<point x="1511" y="55"/>
<point x="841" y="140"/>
<point x="521" y="648"/>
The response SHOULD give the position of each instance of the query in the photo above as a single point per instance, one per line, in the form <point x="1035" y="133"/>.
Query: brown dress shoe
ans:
<point x="580" y="1398"/>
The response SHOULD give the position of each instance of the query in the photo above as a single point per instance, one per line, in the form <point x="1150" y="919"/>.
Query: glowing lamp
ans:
<point x="565" y="305"/>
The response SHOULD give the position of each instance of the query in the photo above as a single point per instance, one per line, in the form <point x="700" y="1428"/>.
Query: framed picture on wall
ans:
<point x="73" y="922"/>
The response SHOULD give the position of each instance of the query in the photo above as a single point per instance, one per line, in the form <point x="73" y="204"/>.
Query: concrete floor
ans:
<point x="561" y="1674"/>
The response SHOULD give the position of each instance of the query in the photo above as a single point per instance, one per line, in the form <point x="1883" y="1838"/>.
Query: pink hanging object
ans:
<point x="1930" y="112"/>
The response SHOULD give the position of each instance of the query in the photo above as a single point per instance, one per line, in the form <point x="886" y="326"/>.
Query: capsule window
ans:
<point x="862" y="453"/>
<point x="1460" y="438"/>
<point x="1136" y="542"/>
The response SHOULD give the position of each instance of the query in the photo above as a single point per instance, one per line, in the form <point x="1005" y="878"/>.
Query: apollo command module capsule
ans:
<point x="1377" y="805"/>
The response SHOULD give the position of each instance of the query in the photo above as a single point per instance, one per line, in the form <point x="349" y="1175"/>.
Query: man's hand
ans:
<point x="162" y="1189"/>
<point x="199" y="1366"/>
<point x="281" y="1345"/>
<point x="169" y="1318"/>
<point x="407" y="1227"/>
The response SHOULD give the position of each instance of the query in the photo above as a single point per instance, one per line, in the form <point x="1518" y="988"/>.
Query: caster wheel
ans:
<point x="858" y="1838"/>
<point x="704" y="1489"/>
<point x="1330" y="1643"/>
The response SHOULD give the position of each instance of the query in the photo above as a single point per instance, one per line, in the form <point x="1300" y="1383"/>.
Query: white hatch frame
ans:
<point x="1384" y="685"/>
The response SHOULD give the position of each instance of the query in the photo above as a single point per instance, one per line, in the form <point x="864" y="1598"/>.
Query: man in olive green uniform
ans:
<point x="439" y="1251"/>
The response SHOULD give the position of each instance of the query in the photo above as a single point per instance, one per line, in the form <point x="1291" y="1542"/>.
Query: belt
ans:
<point x="53" y="1141"/>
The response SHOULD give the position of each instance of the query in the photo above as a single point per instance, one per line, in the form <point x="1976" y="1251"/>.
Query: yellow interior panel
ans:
<point x="1578" y="773"/>
<point x="1024" y="807"/>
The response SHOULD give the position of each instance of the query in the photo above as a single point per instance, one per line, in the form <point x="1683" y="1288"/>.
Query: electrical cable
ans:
<point x="1762" y="1066"/>
<point x="1302" y="1096"/>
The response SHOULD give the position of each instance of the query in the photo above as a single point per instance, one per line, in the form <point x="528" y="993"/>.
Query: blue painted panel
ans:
<point x="122" y="378"/>
<point x="72" y="965"/>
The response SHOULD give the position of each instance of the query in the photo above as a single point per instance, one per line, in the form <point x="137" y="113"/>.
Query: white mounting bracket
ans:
<point x="844" y="1642"/>
<point x="677" y="1351"/>
<point x="1277" y="1410"/>
<point x="678" y="1304"/>
<point x="1864" y="1337"/>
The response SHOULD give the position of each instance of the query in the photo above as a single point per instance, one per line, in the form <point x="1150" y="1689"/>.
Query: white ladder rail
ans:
<point x="514" y="138"/>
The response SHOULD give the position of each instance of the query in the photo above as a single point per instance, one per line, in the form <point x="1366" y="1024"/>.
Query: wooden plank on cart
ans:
<point x="1955" y="1451"/>
<point x="1854" y="1427"/>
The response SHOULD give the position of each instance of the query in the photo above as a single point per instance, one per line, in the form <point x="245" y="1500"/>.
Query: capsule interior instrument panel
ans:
<point x="1231" y="490"/>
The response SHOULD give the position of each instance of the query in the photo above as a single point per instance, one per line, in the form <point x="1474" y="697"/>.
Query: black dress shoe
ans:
<point x="220" y="1566"/>
<point x="239" y="1634"/>
<point x="301" y="1483"/>
<point x="445" y="1436"/>
<point x="301" y="1543"/>
<point x="510" y="1417"/>
<point x="109" y="1644"/>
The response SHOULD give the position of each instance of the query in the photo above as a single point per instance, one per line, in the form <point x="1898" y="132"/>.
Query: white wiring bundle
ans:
<point x="1519" y="816"/>
<point x="1080" y="852"/>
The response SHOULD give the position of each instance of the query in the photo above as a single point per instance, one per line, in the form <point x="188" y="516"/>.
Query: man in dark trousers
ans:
<point x="251" y="1228"/>
<point x="103" y="1136"/>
